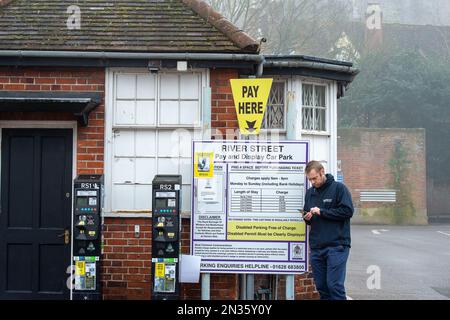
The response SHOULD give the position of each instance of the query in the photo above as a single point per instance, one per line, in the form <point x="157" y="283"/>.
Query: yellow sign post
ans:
<point x="250" y="98"/>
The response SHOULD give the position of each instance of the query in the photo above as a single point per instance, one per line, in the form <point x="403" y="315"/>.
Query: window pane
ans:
<point x="123" y="197"/>
<point x="275" y="111"/>
<point x="146" y="86"/>
<point x="307" y="95"/>
<point x="126" y="86"/>
<point x="186" y="169"/>
<point x="319" y="99"/>
<point x="123" y="170"/>
<point x="124" y="143"/>
<point x="307" y="118"/>
<point x="186" y="137"/>
<point x="145" y="143"/>
<point x="169" y="86"/>
<point x="319" y="119"/>
<point x="145" y="112"/>
<point x="189" y="86"/>
<point x="145" y="170"/>
<point x="169" y="112"/>
<point x="168" y="165"/>
<point x="189" y="112"/>
<point x="143" y="197"/>
<point x="168" y="144"/>
<point x="125" y="112"/>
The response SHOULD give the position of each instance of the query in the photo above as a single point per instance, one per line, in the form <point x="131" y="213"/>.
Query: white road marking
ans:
<point x="378" y="231"/>
<point x="441" y="232"/>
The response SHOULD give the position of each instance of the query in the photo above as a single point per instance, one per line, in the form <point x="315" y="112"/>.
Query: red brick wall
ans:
<point x="90" y="149"/>
<point x="126" y="270"/>
<point x="126" y="260"/>
<point x="366" y="158"/>
<point x="223" y="112"/>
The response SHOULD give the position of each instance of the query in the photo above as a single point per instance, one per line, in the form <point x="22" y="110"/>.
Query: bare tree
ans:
<point x="290" y="26"/>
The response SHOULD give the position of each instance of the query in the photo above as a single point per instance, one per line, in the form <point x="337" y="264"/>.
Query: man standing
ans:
<point x="328" y="209"/>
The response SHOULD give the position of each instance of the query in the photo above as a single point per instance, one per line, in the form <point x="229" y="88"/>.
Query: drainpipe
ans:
<point x="260" y="70"/>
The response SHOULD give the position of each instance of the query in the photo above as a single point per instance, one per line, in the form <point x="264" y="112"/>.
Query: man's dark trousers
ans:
<point x="328" y="266"/>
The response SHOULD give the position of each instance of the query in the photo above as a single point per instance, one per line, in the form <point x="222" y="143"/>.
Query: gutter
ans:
<point x="312" y="65"/>
<point x="255" y="58"/>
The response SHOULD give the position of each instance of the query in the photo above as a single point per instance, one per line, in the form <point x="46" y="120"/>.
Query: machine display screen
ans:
<point x="82" y="202"/>
<point x="160" y="203"/>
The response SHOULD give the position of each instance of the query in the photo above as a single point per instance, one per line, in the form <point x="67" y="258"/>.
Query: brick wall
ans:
<point x="126" y="270"/>
<point x="126" y="260"/>
<point x="372" y="159"/>
<point x="90" y="149"/>
<point x="224" y="122"/>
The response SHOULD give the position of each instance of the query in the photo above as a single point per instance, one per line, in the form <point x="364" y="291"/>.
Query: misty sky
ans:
<point x="417" y="12"/>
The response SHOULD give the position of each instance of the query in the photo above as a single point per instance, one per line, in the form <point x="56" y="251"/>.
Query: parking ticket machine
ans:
<point x="166" y="230"/>
<point x="88" y="192"/>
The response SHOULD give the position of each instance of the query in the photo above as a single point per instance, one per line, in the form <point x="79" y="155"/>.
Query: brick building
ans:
<point x="102" y="88"/>
<point x="385" y="170"/>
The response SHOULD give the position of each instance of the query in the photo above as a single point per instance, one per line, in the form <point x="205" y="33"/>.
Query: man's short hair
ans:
<point x="313" y="165"/>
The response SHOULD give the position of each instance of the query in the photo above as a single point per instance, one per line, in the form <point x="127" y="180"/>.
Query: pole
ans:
<point x="206" y="279"/>
<point x="250" y="287"/>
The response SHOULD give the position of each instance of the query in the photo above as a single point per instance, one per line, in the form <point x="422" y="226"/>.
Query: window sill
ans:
<point x="165" y="126"/>
<point x="273" y="130"/>
<point x="316" y="133"/>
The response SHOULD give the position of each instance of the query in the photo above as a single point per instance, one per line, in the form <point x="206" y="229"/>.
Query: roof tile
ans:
<point x="118" y="25"/>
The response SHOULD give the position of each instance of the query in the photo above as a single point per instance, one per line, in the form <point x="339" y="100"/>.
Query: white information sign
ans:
<point x="245" y="212"/>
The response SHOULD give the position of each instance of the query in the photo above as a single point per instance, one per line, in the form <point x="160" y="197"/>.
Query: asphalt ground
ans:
<point x="399" y="263"/>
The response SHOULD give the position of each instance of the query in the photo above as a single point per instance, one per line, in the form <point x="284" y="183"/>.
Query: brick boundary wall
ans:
<point x="371" y="158"/>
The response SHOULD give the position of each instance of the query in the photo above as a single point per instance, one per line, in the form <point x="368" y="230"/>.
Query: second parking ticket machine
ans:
<point x="166" y="230"/>
<point x="88" y="193"/>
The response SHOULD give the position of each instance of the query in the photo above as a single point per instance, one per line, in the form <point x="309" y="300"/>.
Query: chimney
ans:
<point x="373" y="26"/>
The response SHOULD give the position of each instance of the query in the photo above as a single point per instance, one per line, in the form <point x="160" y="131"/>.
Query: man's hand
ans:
<point x="308" y="216"/>
<point x="315" y="210"/>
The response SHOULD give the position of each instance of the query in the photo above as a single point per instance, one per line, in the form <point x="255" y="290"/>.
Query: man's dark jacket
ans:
<point x="332" y="227"/>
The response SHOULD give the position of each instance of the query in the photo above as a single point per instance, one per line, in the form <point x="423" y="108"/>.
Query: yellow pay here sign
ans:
<point x="250" y="98"/>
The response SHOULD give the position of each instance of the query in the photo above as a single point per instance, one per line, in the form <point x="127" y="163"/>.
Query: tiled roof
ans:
<point x="116" y="25"/>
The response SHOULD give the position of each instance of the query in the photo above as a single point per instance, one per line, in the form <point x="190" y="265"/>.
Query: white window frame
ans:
<point x="328" y="104"/>
<point x="110" y="100"/>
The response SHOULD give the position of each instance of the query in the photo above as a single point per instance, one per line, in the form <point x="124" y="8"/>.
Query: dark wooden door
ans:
<point x="36" y="193"/>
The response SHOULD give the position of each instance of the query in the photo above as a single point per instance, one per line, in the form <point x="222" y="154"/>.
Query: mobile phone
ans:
<point x="303" y="212"/>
